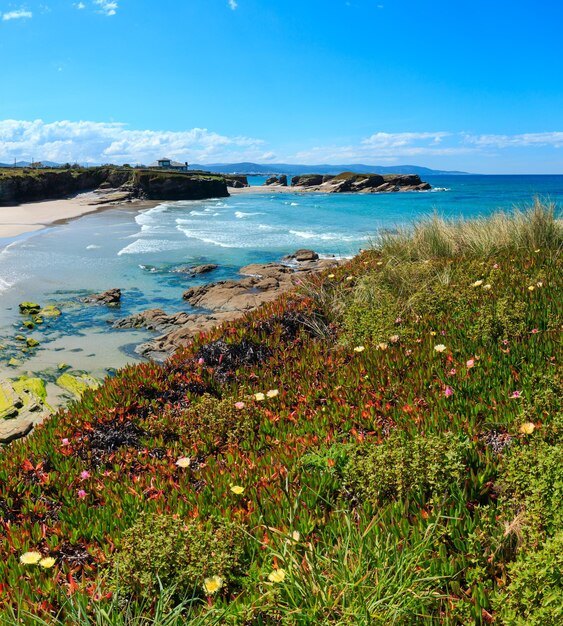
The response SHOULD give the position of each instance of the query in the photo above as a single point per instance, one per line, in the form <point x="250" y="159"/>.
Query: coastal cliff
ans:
<point x="17" y="186"/>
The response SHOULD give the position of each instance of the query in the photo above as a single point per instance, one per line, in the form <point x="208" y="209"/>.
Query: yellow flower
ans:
<point x="380" y="262"/>
<point x="349" y="278"/>
<point x="272" y="393"/>
<point x="487" y="286"/>
<point x="277" y="576"/>
<point x="433" y="333"/>
<point x="259" y="396"/>
<point x="527" y="428"/>
<point x="536" y="251"/>
<point x="477" y="283"/>
<point x="30" y="558"/>
<point x="531" y="288"/>
<point x="237" y="489"/>
<point x="381" y="346"/>
<point x="394" y="338"/>
<point x="213" y="584"/>
<point x="440" y="347"/>
<point x="330" y="276"/>
<point x="183" y="461"/>
<point x="47" y="562"/>
<point x="359" y="349"/>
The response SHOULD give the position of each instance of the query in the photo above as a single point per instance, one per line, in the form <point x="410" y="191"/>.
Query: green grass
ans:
<point x="391" y="480"/>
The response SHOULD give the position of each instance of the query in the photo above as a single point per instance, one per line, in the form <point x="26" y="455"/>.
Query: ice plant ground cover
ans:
<point x="392" y="454"/>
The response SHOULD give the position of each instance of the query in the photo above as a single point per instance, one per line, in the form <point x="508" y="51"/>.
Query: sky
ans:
<point x="455" y="85"/>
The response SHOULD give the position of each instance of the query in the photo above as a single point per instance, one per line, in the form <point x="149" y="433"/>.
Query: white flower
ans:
<point x="272" y="393"/>
<point x="259" y="396"/>
<point x="477" y="283"/>
<point x="183" y="461"/>
<point x="440" y="347"/>
<point x="359" y="349"/>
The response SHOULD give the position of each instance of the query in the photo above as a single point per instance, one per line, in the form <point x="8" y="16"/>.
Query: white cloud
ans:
<point x="80" y="6"/>
<point x="554" y="139"/>
<point x="107" y="7"/>
<point x="233" y="4"/>
<point x="101" y="142"/>
<point x="17" y="15"/>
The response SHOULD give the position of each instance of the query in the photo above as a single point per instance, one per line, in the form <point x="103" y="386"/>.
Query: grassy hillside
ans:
<point x="383" y="447"/>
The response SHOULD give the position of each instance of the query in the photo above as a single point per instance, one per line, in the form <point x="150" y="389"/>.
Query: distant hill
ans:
<point x="295" y="170"/>
<point x="28" y="163"/>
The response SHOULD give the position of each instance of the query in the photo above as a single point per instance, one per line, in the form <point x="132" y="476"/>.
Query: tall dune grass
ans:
<point x="536" y="227"/>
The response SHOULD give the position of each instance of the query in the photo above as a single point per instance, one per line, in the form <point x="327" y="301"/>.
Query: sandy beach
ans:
<point x="33" y="216"/>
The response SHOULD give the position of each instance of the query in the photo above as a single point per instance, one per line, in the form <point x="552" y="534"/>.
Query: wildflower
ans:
<point x="201" y="361"/>
<point x="380" y="263"/>
<point x="516" y="394"/>
<point x="47" y="562"/>
<point x="536" y="251"/>
<point x="398" y="320"/>
<point x="440" y="347"/>
<point x="213" y="584"/>
<point x="452" y="372"/>
<point x="277" y="576"/>
<point x="477" y="283"/>
<point x="296" y="535"/>
<point x="237" y="489"/>
<point x="259" y="396"/>
<point x="505" y="342"/>
<point x="408" y="352"/>
<point x="84" y="475"/>
<point x="495" y="266"/>
<point x="448" y="391"/>
<point x="239" y="405"/>
<point x="534" y="331"/>
<point x="30" y="558"/>
<point x="394" y="338"/>
<point x="531" y="288"/>
<point x="470" y="363"/>
<point x="527" y="428"/>
<point x="64" y="442"/>
<point x="433" y="333"/>
<point x="272" y="393"/>
<point x="381" y="346"/>
<point x="359" y="349"/>
<point x="330" y="276"/>
<point x="184" y="461"/>
<point x="349" y="278"/>
<point x="487" y="286"/>
<point x="539" y="283"/>
<point x="81" y="493"/>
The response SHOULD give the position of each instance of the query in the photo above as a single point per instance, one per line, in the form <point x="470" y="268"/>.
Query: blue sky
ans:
<point x="476" y="86"/>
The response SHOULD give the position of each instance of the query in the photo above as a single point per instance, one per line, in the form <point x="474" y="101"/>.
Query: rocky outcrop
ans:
<point x="111" y="297"/>
<point x="236" y="181"/>
<point x="196" y="270"/>
<point x="223" y="301"/>
<point x="276" y="180"/>
<point x="22" y="405"/>
<point x="179" y="186"/>
<point x="349" y="182"/>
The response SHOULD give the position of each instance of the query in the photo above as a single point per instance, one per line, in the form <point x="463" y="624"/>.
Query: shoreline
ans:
<point x="32" y="217"/>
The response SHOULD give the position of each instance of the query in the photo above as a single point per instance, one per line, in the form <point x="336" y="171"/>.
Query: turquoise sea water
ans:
<point x="142" y="251"/>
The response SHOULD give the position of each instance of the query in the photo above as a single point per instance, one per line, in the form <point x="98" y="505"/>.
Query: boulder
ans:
<point x="50" y="311"/>
<point x="283" y="180"/>
<point x="307" y="180"/>
<point x="302" y="255"/>
<point x="111" y="297"/>
<point x="273" y="180"/>
<point x="77" y="384"/>
<point x="22" y="405"/>
<point x="29" y="308"/>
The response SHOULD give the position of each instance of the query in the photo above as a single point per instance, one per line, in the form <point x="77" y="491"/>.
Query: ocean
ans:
<point x="142" y="251"/>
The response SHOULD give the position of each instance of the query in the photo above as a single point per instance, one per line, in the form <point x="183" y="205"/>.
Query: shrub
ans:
<point x="534" y="596"/>
<point x="391" y="470"/>
<point x="531" y="483"/>
<point x="180" y="554"/>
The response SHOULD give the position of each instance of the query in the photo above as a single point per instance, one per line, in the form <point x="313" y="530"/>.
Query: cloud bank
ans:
<point x="105" y="142"/>
<point x="20" y="14"/>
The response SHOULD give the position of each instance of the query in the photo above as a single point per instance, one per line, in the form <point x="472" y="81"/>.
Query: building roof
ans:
<point x="172" y="163"/>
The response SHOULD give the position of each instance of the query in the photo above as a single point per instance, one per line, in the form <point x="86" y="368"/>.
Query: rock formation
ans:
<point x="111" y="297"/>
<point x="348" y="182"/>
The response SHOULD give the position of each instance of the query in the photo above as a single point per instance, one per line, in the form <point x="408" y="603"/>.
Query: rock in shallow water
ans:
<point x="110" y="297"/>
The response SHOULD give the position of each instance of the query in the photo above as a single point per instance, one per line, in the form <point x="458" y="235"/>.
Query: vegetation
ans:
<point x="383" y="447"/>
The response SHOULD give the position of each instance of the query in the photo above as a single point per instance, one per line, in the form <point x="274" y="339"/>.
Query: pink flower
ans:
<point x="470" y="363"/>
<point x="448" y="391"/>
<point x="443" y="332"/>
<point x="452" y="372"/>
<point x="82" y="493"/>
<point x="534" y="331"/>
<point x="516" y="394"/>
<point x="65" y="441"/>
<point x="239" y="405"/>
<point x="505" y="342"/>
<point x="201" y="362"/>
<point x="495" y="266"/>
<point x="84" y="475"/>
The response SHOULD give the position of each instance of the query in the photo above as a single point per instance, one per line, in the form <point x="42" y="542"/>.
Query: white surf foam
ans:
<point x="146" y="246"/>
<point x="241" y="214"/>
<point x="92" y="247"/>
